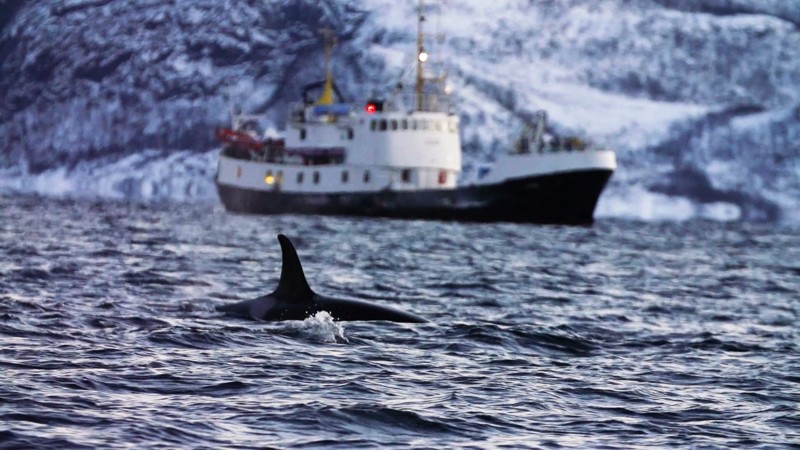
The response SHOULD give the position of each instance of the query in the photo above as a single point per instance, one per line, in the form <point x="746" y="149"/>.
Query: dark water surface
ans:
<point x="623" y="335"/>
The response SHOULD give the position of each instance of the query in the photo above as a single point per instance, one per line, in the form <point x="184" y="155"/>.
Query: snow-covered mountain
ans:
<point x="700" y="98"/>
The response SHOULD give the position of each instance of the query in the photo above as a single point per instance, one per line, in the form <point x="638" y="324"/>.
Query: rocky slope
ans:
<point x="700" y="98"/>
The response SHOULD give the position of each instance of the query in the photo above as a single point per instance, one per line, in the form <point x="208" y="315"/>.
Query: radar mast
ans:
<point x="326" y="98"/>
<point x="422" y="56"/>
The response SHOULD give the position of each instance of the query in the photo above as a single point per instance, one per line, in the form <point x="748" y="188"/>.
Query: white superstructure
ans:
<point x="356" y="152"/>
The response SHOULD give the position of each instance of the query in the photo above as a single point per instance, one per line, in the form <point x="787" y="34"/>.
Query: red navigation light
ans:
<point x="371" y="108"/>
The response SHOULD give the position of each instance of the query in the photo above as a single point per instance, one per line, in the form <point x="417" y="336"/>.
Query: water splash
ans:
<point x="321" y="327"/>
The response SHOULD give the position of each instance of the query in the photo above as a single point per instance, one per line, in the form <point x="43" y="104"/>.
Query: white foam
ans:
<point x="321" y="327"/>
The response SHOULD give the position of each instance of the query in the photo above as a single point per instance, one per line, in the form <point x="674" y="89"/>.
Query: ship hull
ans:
<point x="559" y="198"/>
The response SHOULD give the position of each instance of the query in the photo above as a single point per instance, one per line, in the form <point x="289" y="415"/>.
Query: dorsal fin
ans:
<point x="293" y="281"/>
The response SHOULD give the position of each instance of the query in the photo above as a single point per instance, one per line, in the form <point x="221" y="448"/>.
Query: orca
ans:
<point x="294" y="299"/>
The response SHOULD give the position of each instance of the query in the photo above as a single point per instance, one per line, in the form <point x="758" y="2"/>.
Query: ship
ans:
<point x="401" y="157"/>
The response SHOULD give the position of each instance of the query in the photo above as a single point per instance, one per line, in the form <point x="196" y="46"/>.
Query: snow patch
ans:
<point x="637" y="203"/>
<point x="144" y="176"/>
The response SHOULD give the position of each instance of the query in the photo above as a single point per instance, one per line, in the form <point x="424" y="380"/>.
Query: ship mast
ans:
<point x="422" y="56"/>
<point x="326" y="98"/>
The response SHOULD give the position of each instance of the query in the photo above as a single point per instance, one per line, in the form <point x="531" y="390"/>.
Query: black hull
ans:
<point x="563" y="198"/>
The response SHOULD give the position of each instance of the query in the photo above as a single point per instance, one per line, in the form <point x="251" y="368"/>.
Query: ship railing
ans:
<point x="247" y="122"/>
<point x="343" y="113"/>
<point x="427" y="102"/>
<point x="554" y="144"/>
<point x="535" y="139"/>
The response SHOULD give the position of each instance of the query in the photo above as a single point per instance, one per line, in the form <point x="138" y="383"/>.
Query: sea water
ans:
<point x="623" y="334"/>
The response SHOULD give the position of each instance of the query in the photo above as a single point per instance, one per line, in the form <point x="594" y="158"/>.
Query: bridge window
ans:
<point x="302" y="134"/>
<point x="414" y="124"/>
<point x="438" y="125"/>
<point x="394" y="125"/>
<point x="424" y="124"/>
<point x="404" y="124"/>
<point x="405" y="175"/>
<point x="382" y="125"/>
<point x="373" y="125"/>
<point x="316" y="177"/>
<point x="345" y="176"/>
<point x="299" y="177"/>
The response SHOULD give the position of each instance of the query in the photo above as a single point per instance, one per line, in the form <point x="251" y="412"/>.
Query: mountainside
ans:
<point x="701" y="98"/>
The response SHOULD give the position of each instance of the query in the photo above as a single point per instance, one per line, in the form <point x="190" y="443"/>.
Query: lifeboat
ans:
<point x="239" y="139"/>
